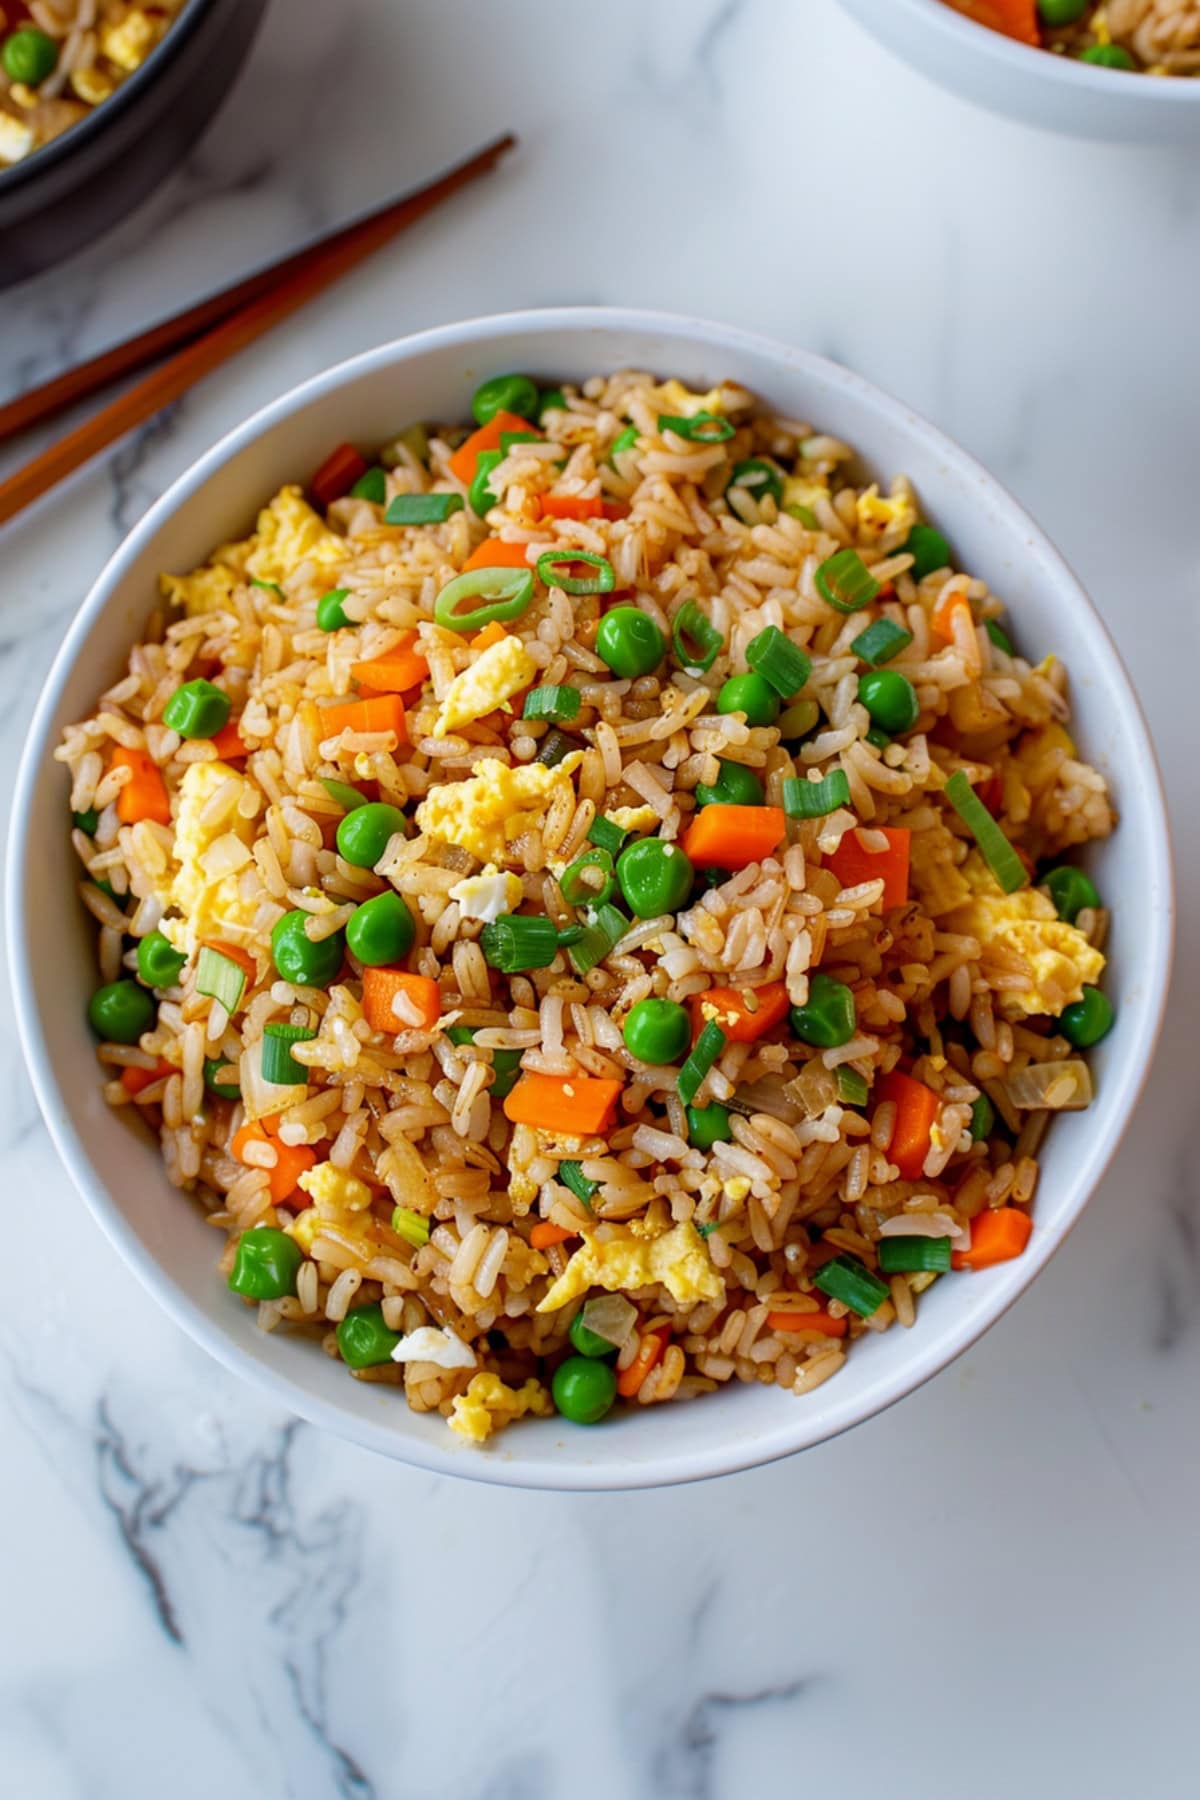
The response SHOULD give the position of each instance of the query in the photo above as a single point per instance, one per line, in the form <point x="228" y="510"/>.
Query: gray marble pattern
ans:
<point x="989" y="1591"/>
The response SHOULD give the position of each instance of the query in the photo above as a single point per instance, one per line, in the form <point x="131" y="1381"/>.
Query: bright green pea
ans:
<point x="363" y="835"/>
<point x="657" y="1031"/>
<point x="655" y="877"/>
<point x="265" y="1265"/>
<point x="890" y="698"/>
<point x="298" y="959"/>
<point x="506" y="393"/>
<point x="584" y="1389"/>
<point x="928" y="549"/>
<point x="630" y="642"/>
<point x="751" y="695"/>
<point x="552" y="400"/>
<point x="736" y="785"/>
<point x="588" y="1343"/>
<point x="158" y="961"/>
<point x="1108" y="56"/>
<point x="363" y="1338"/>
<point x="224" y="1090"/>
<point x="120" y="1012"/>
<point x="29" y="55"/>
<point x="86" y="821"/>
<point x="479" y="495"/>
<point x="827" y="1017"/>
<point x="198" y="709"/>
<point x="381" y="930"/>
<point x="331" y="615"/>
<point x="1062" y="12"/>
<point x="708" y="1125"/>
<point x="1087" y="1020"/>
<point x="1071" y="891"/>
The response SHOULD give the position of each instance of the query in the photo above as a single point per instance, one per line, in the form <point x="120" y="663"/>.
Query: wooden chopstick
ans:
<point x="260" y="301"/>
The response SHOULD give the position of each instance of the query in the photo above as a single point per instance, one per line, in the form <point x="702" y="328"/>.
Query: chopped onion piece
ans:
<point x="441" y="1347"/>
<point x="260" y="1096"/>
<point x="814" y="1090"/>
<point x="769" y="1094"/>
<point x="611" y="1316"/>
<point x="928" y="1224"/>
<point x="1059" y="1086"/>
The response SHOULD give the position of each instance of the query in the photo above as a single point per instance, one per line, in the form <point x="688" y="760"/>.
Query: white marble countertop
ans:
<point x="991" y="1590"/>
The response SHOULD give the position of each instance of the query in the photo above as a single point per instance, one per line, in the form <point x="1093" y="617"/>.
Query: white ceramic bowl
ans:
<point x="117" y="1169"/>
<point x="1058" y="93"/>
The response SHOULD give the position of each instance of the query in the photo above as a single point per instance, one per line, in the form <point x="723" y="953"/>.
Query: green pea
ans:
<point x="381" y="930"/>
<point x="479" y="495"/>
<point x="751" y="695"/>
<point x="1108" y="56"/>
<point x="372" y="486"/>
<point x="983" y="1117"/>
<point x="505" y="393"/>
<point x="1071" y="891"/>
<point x="708" y="1125"/>
<point x="198" y="709"/>
<point x="879" y="739"/>
<point x="29" y="55"/>
<point x="890" y="698"/>
<point x="657" y="1031"/>
<point x="224" y="1090"/>
<point x="159" y="962"/>
<point x="928" y="549"/>
<point x="86" y="821"/>
<point x="265" y="1265"/>
<point x="363" y="835"/>
<point x="584" y="1389"/>
<point x="630" y="642"/>
<point x="655" y="877"/>
<point x="799" y="720"/>
<point x="588" y="1343"/>
<point x="1062" y="12"/>
<point x="736" y="785"/>
<point x="1088" y="1020"/>
<point x="298" y="959"/>
<point x="331" y="615"/>
<point x="120" y="1012"/>
<point x="827" y="1017"/>
<point x="363" y="1338"/>
<point x="552" y="400"/>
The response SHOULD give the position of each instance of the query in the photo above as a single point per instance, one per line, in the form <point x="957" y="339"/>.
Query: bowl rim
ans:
<point x="956" y="27"/>
<point x="724" y="1455"/>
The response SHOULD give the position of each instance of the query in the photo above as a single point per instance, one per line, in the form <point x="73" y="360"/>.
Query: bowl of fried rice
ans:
<point x="589" y="900"/>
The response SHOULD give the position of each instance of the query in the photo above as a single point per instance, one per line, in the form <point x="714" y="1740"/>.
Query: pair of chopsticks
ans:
<point x="205" y="336"/>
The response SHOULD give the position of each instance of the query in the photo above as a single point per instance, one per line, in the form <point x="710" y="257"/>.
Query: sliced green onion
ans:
<point x="506" y="594"/>
<point x="347" y="797"/>
<point x="878" y="740"/>
<point x="845" y="582"/>
<point x="461" y="1034"/>
<point x="224" y="1090"/>
<point x="514" y="942"/>
<point x="707" y="1229"/>
<point x="577" y="890"/>
<point x="572" y="1176"/>
<point x="87" y="822"/>
<point x="914" y="1255"/>
<point x="509" y="438"/>
<point x="551" y="400"/>
<point x="554" y="747"/>
<point x="704" y="1053"/>
<point x="422" y="509"/>
<point x="560" y="704"/>
<point x="700" y="428"/>
<point x="805" y="514"/>
<point x="757" y="478"/>
<point x="606" y="835"/>
<point x="506" y="1068"/>
<point x="852" y="1086"/>
<point x="998" y="853"/>
<point x="624" y="440"/>
<point x="983" y="1117"/>
<point x="372" y="486"/>
<point x="803" y="799"/>
<point x="798" y="719"/>
<point x="272" y="587"/>
<point x="605" y="929"/>
<point x="414" y="439"/>
<point x="785" y="665"/>
<point x="999" y="636"/>
<point x="882" y="640"/>
<point x="410" y="1226"/>
<point x="220" y="978"/>
<point x="550" y="565"/>
<point x="851" y="1282"/>
<point x="278" y="1063"/>
<point x="697" y="641"/>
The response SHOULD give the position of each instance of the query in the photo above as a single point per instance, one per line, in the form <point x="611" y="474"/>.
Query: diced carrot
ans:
<point x="491" y="634"/>
<point x="1013" y="18"/>
<point x="144" y="795"/>
<point x="991" y="792"/>
<point x="997" y="1236"/>
<point x="615" y="509"/>
<point x="497" y="553"/>
<point x="291" y="1160"/>
<point x="578" y="1105"/>
<point x="821" y="1322"/>
<point x="650" y="1351"/>
<point x="945" y="607"/>
<point x="572" y="506"/>
<point x="382" y="987"/>
<point x="228" y="743"/>
<point x="374" y="712"/>
<point x="852" y="864"/>
<point x="916" y="1109"/>
<point x="729" y="837"/>
<point x="546" y="1233"/>
<point x="463" y="462"/>
<point x="337" y="474"/>
<point x="236" y="954"/>
<point x="397" y="670"/>
<point x="744" y="1014"/>
<point x="134" y="1080"/>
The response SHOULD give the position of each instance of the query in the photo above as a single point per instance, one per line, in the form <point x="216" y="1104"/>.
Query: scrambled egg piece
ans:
<point x="798" y="492"/>
<point x="486" y="813"/>
<point x="1026" y="922"/>
<point x="212" y="905"/>
<point x="634" y="818"/>
<point x="288" y="533"/>
<point x="130" y="42"/>
<point x="497" y="673"/>
<point x="444" y="1348"/>
<point x="1035" y="755"/>
<point x="16" y="139"/>
<point x="877" y="515"/>
<point x="685" y="404"/>
<point x="336" y="1187"/>
<point x="489" y="1404"/>
<point x="206" y="589"/>
<point x="676" y="1258"/>
<point x="488" y="895"/>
